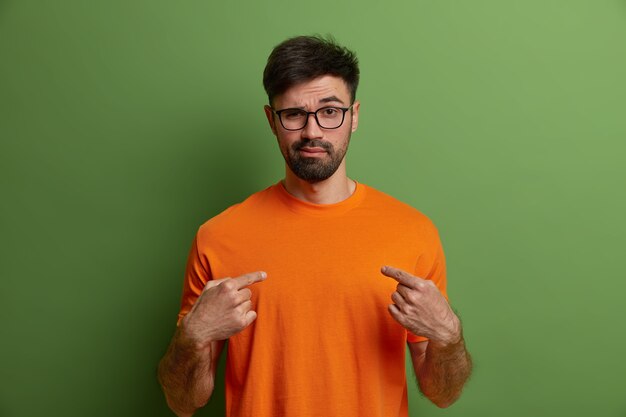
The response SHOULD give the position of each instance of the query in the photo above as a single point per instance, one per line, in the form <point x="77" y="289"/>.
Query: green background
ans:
<point x="125" y="125"/>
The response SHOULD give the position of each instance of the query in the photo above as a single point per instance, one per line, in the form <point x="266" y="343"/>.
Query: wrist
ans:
<point x="189" y="340"/>
<point x="452" y="335"/>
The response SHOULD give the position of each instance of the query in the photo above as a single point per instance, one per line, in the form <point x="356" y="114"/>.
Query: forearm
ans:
<point x="443" y="372"/>
<point x="186" y="375"/>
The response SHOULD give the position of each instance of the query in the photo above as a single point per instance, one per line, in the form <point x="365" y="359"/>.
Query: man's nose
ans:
<point x="312" y="130"/>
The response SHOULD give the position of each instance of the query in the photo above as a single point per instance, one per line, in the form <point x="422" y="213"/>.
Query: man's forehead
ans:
<point x="325" y="89"/>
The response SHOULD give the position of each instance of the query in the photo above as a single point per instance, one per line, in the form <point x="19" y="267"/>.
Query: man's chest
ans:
<point x="320" y="261"/>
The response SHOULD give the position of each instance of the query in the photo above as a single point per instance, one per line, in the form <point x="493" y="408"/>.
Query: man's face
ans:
<point x="314" y="153"/>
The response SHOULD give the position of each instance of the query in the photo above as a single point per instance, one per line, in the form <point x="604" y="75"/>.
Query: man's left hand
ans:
<point x="422" y="309"/>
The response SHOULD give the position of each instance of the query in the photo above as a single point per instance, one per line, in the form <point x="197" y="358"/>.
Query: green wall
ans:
<point x="125" y="125"/>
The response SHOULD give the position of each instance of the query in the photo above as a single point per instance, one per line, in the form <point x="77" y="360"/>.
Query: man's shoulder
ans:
<point x="233" y="214"/>
<point x="393" y="204"/>
<point x="398" y="210"/>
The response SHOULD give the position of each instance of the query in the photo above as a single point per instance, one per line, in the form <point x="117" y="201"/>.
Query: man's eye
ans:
<point x="330" y="111"/>
<point x="293" y="114"/>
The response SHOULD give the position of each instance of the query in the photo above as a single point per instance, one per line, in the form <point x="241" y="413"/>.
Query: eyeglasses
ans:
<point x="326" y="117"/>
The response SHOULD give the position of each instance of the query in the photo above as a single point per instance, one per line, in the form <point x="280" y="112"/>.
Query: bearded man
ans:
<point x="318" y="282"/>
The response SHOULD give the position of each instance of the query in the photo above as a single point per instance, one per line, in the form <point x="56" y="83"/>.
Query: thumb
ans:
<point x="214" y="283"/>
<point x="250" y="317"/>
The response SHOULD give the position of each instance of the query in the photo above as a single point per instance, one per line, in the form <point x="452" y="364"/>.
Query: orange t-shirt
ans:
<point x="323" y="343"/>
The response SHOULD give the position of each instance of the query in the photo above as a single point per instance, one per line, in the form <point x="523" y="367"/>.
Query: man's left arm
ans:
<point x="442" y="364"/>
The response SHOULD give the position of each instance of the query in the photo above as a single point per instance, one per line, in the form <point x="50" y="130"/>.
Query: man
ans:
<point x="299" y="277"/>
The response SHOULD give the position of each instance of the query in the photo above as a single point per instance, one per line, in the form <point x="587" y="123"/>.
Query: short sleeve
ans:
<point x="436" y="267"/>
<point x="197" y="274"/>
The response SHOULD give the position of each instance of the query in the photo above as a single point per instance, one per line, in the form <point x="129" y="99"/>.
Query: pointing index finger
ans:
<point x="249" y="279"/>
<point x="399" y="275"/>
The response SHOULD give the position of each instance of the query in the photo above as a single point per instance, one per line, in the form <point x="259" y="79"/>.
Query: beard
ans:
<point x="315" y="169"/>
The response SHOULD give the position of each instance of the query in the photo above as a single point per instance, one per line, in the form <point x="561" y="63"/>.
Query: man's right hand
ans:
<point x="222" y="310"/>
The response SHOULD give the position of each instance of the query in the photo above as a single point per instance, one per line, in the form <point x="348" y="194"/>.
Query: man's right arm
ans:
<point x="187" y="371"/>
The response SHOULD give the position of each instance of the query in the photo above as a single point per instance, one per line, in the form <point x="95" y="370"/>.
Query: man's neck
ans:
<point x="332" y="190"/>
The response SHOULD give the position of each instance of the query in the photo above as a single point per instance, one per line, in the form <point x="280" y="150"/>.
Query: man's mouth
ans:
<point x="307" y="149"/>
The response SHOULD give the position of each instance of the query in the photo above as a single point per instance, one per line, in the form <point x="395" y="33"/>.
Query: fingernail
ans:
<point x="263" y="274"/>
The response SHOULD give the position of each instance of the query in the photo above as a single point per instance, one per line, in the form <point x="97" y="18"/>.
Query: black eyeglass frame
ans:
<point x="314" y="113"/>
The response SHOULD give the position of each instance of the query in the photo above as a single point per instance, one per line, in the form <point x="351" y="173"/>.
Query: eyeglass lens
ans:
<point x="327" y="118"/>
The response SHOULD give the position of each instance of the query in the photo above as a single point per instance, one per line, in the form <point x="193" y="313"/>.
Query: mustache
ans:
<point x="312" y="143"/>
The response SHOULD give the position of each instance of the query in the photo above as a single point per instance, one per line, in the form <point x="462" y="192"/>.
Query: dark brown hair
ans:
<point x="304" y="58"/>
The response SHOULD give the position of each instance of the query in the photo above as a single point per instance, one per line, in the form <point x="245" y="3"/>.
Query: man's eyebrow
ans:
<point x="331" y="99"/>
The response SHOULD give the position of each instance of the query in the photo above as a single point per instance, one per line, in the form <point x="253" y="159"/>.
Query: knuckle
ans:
<point x="412" y="310"/>
<point x="241" y="321"/>
<point x="241" y="309"/>
<point x="232" y="296"/>
<point x="228" y="285"/>
<point x="234" y="315"/>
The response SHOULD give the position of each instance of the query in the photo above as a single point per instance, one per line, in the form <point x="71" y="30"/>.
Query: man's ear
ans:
<point x="269" y="113"/>
<point x="355" y="115"/>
